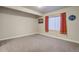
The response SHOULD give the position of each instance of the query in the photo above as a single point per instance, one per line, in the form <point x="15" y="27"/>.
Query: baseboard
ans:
<point x="60" y="38"/>
<point x="41" y="34"/>
<point x="18" y="36"/>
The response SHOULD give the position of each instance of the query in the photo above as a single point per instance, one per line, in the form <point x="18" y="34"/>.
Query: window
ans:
<point x="54" y="23"/>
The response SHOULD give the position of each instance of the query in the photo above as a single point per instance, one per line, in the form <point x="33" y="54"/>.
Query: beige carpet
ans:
<point x="38" y="43"/>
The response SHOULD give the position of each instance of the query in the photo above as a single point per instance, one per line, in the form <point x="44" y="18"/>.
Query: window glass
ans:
<point x="54" y="23"/>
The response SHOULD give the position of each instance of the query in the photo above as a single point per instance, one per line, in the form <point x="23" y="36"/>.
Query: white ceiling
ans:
<point x="44" y="9"/>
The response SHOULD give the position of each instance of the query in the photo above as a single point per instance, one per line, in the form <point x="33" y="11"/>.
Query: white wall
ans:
<point x="72" y="26"/>
<point x="14" y="23"/>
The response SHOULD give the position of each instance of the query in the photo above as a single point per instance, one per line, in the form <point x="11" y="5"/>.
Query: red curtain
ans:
<point x="46" y="23"/>
<point x="63" y="26"/>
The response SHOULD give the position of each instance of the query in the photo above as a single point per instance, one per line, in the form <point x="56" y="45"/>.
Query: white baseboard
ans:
<point x="61" y="38"/>
<point x="17" y="36"/>
<point x="41" y="34"/>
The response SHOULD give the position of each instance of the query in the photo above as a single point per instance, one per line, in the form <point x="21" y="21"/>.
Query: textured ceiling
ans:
<point x="45" y="9"/>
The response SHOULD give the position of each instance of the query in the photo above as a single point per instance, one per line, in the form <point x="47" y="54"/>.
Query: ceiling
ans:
<point x="44" y="9"/>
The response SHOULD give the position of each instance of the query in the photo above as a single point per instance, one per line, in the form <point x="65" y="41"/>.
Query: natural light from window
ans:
<point x="54" y="23"/>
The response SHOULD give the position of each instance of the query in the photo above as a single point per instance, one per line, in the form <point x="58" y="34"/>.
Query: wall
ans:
<point x="72" y="26"/>
<point x="15" y="24"/>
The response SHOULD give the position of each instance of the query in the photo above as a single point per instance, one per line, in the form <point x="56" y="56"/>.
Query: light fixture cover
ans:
<point x="39" y="6"/>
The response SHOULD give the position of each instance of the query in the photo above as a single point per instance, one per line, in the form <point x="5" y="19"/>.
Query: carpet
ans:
<point x="38" y="43"/>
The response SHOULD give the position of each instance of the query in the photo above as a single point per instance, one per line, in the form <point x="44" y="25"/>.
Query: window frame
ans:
<point x="59" y="23"/>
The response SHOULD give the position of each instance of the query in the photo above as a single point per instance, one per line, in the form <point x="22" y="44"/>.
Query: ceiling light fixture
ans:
<point x="39" y="6"/>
